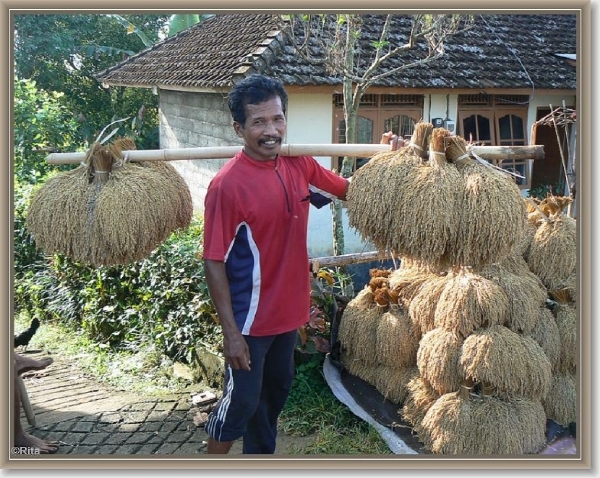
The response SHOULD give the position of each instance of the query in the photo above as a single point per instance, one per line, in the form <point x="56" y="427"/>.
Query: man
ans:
<point x="256" y="263"/>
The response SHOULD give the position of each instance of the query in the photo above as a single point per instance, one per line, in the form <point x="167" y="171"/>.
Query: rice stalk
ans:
<point x="567" y="322"/>
<point x="561" y="403"/>
<point x="516" y="365"/>
<point x="553" y="251"/>
<point x="484" y="426"/>
<point x="397" y="341"/>
<point x="492" y="213"/>
<point x="470" y="301"/>
<point x="438" y="360"/>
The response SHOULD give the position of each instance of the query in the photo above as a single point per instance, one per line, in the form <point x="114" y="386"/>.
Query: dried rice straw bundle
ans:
<point x="419" y="399"/>
<point x="358" y="327"/>
<point x="438" y="360"/>
<point x="357" y="367"/>
<point x="547" y="335"/>
<point x="184" y="210"/>
<point x="561" y="403"/>
<point x="388" y="200"/>
<point x="514" y="364"/>
<point x="553" y="251"/>
<point x="566" y="321"/>
<point x="525" y="292"/>
<point x="478" y="426"/>
<point x="407" y="280"/>
<point x="373" y="195"/>
<point x="524" y="244"/>
<point x="58" y="211"/>
<point x="492" y="213"/>
<point x="392" y="382"/>
<point x="421" y="309"/>
<point x="115" y="212"/>
<point x="136" y="210"/>
<point x="470" y="301"/>
<point x="435" y="193"/>
<point x="397" y="340"/>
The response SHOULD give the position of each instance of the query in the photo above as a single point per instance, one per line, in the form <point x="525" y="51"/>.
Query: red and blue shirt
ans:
<point x="255" y="221"/>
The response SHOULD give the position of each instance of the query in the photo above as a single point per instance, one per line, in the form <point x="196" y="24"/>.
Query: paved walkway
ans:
<point x="89" y="418"/>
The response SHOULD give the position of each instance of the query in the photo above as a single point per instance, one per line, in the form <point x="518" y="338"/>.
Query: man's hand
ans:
<point x="393" y="140"/>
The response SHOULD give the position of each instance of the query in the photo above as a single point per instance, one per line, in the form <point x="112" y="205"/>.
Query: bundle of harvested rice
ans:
<point x="58" y="213"/>
<point x="514" y="364"/>
<point x="566" y="321"/>
<point x="435" y="193"/>
<point x="357" y="367"/>
<point x="397" y="340"/>
<point x="525" y="291"/>
<point x="553" y="251"/>
<point x="470" y="301"/>
<point x="390" y="195"/>
<point x="421" y="309"/>
<point x="419" y="398"/>
<point x="492" y="214"/>
<point x="524" y="243"/>
<point x="407" y="280"/>
<point x="477" y="426"/>
<point x="358" y="327"/>
<point x="438" y="360"/>
<point x="117" y="212"/>
<point x="547" y="335"/>
<point x="561" y="403"/>
<point x="392" y="382"/>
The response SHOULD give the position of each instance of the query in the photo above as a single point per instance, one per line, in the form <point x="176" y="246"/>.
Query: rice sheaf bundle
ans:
<point x="492" y="213"/>
<point x="407" y="280"/>
<point x="547" y="335"/>
<point x="553" y="251"/>
<point x="422" y="307"/>
<point x="392" y="382"/>
<point x="358" y="327"/>
<point x="514" y="364"/>
<point x="470" y="301"/>
<point x="397" y="341"/>
<point x="389" y="197"/>
<point x="419" y="399"/>
<point x="111" y="211"/>
<point x="58" y="211"/>
<point x="438" y="360"/>
<point x="561" y="403"/>
<point x="524" y="289"/>
<point x="566" y="321"/>
<point x="483" y="426"/>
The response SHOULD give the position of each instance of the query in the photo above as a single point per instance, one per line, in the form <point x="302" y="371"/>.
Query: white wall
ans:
<point x="310" y="122"/>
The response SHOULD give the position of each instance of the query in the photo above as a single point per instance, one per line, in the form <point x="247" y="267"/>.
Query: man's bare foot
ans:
<point x="24" y="439"/>
<point x="26" y="364"/>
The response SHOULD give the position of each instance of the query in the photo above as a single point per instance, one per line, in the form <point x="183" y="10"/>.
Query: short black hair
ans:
<point x="254" y="89"/>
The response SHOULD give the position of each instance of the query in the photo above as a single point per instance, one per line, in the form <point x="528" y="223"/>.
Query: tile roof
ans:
<point x="501" y="51"/>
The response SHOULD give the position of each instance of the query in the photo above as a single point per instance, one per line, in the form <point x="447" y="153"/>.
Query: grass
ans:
<point x="311" y="410"/>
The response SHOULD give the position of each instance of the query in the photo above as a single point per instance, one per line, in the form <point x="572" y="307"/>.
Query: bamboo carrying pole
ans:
<point x="355" y="150"/>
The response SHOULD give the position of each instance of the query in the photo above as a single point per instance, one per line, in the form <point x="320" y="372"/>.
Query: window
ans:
<point x="496" y="120"/>
<point x="377" y="114"/>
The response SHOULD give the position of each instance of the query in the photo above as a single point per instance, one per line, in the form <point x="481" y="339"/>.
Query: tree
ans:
<point x="41" y="125"/>
<point x="334" y="42"/>
<point x="62" y="53"/>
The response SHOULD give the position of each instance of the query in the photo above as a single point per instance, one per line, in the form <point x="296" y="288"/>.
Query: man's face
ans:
<point x="264" y="129"/>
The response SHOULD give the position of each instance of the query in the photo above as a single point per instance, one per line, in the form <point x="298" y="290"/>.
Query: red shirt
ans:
<point x="255" y="220"/>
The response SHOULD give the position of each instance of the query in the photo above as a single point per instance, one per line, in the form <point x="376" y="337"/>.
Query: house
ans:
<point x="493" y="83"/>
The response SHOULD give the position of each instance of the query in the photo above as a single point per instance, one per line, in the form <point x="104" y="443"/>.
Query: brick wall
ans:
<point x="189" y="120"/>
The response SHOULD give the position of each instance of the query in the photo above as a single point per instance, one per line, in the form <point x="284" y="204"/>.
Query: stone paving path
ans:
<point x="89" y="418"/>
